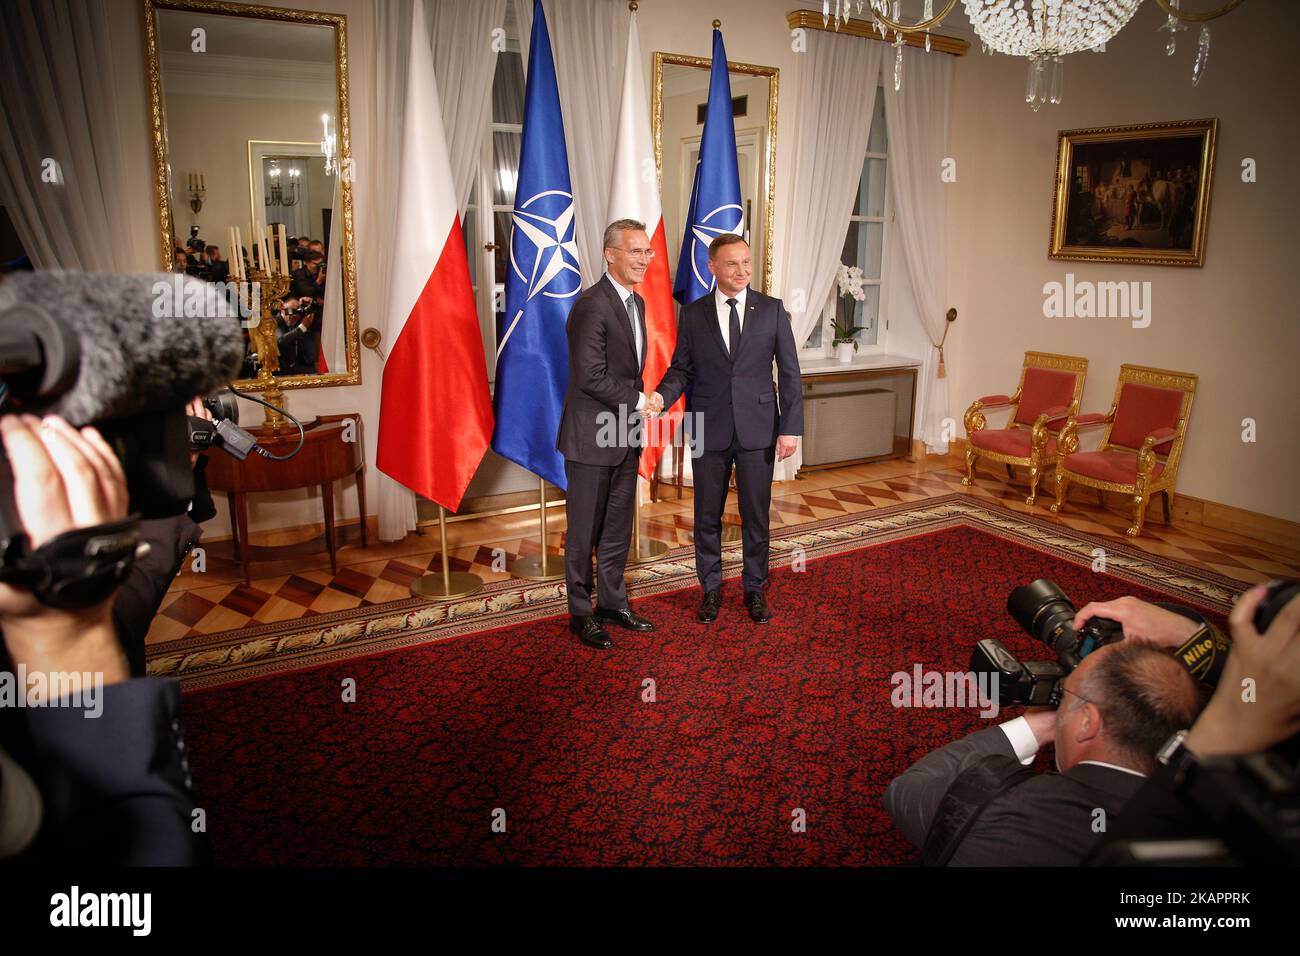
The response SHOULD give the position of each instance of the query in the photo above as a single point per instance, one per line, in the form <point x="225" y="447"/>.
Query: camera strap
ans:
<point x="966" y="798"/>
<point x="78" y="568"/>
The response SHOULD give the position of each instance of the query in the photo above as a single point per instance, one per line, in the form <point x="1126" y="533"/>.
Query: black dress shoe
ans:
<point x="624" y="617"/>
<point x="757" y="604"/>
<point x="590" y="632"/>
<point x="709" y="606"/>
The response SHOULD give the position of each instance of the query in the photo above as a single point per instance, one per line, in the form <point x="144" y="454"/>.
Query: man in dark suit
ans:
<point x="726" y="343"/>
<point x="599" y="434"/>
<point x="1120" y="705"/>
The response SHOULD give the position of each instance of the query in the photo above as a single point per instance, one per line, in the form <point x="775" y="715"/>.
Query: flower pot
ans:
<point x="844" y="352"/>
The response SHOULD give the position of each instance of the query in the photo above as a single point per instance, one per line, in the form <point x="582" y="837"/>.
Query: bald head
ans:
<point x="1122" y="703"/>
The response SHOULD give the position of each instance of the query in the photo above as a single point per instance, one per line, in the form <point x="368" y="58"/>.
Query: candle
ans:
<point x="284" y="250"/>
<point x="203" y="185"/>
<point x="238" y="254"/>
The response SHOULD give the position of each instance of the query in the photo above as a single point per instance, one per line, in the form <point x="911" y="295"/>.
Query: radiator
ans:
<point x="848" y="422"/>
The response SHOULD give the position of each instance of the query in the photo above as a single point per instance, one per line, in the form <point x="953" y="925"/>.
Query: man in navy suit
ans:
<point x="599" y="434"/>
<point x="726" y="343"/>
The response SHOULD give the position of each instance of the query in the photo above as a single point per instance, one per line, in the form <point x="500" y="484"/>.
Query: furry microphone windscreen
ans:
<point x="148" y="342"/>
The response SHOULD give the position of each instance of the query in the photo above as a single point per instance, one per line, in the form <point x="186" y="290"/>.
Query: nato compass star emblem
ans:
<point x="724" y="219"/>
<point x="544" y="250"/>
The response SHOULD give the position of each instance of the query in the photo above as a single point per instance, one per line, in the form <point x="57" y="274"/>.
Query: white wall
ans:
<point x="1232" y="322"/>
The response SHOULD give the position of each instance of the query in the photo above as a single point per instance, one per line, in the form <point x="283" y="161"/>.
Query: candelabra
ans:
<point x="272" y="289"/>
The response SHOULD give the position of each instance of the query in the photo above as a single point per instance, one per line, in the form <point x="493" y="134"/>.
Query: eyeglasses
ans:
<point x="646" y="254"/>
<point x="1086" y="700"/>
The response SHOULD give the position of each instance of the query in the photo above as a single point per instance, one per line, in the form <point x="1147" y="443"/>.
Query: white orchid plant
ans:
<point x="849" y="280"/>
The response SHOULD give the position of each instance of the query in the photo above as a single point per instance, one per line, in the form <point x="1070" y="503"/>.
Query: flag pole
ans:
<point x="449" y="584"/>
<point x="547" y="566"/>
<point x="647" y="549"/>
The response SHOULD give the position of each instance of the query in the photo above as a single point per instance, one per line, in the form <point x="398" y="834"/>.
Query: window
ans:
<point x="864" y="246"/>
<point x="492" y="198"/>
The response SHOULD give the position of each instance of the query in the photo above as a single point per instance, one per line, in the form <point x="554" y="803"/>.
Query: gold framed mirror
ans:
<point x="679" y="94"/>
<point x="249" y="123"/>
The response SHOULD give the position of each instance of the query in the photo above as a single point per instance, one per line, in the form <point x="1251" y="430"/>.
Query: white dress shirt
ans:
<point x="1025" y="744"/>
<point x="636" y="326"/>
<point x="724" y="312"/>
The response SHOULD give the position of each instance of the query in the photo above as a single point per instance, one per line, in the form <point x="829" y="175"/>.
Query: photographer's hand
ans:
<point x="63" y="478"/>
<point x="198" y="410"/>
<point x="1144" y="623"/>
<point x="1242" y="721"/>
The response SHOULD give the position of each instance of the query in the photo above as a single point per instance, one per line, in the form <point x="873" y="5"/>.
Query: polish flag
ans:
<point x="635" y="195"/>
<point x="435" y="412"/>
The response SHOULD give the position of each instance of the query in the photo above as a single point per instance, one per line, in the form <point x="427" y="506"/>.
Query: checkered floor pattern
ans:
<point x="216" y="600"/>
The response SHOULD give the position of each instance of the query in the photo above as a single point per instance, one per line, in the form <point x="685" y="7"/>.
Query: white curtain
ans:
<point x="835" y="95"/>
<point x="391" y="23"/>
<point x="917" y="120"/>
<point x="589" y="43"/>
<point x="61" y="161"/>
<point x="333" y="342"/>
<point x="464" y="63"/>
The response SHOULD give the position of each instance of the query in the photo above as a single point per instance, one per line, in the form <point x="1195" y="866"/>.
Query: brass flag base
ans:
<point x="448" y="584"/>
<point x="549" y="567"/>
<point x="648" y="550"/>
<point x="457" y="584"/>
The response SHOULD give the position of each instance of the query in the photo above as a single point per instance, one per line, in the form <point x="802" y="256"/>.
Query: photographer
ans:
<point x="297" y="344"/>
<point x="115" y="789"/>
<point x="1120" y="703"/>
<point x="1205" y="785"/>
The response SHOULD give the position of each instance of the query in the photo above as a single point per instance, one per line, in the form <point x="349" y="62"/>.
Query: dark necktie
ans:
<point x="636" y="328"/>
<point x="733" y="329"/>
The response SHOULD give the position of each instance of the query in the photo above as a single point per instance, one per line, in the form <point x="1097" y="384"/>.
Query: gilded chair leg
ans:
<point x="970" y="466"/>
<point x="1011" y="473"/>
<point x="1034" y="472"/>
<point x="1139" y="515"/>
<point x="1062" y="487"/>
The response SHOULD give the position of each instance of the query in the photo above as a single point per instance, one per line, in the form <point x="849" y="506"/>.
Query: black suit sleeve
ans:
<point x="913" y="798"/>
<point x="137" y="600"/>
<point x="588" y="341"/>
<point x="789" y="382"/>
<point x="116" y="787"/>
<point x="681" y="372"/>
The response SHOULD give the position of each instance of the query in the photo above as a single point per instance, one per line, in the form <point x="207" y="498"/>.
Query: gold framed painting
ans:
<point x="1134" y="193"/>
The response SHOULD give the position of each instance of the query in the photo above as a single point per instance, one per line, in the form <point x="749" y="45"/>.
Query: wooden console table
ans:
<point x="332" y="450"/>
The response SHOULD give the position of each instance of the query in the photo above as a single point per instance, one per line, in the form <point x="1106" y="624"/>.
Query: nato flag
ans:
<point x="542" y="281"/>
<point x="715" y="206"/>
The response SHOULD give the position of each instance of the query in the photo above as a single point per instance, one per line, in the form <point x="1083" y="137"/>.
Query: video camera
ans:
<point x="125" y="354"/>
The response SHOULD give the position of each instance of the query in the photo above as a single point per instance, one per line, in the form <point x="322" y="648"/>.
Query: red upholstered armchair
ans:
<point x="1140" y="448"/>
<point x="1048" y="394"/>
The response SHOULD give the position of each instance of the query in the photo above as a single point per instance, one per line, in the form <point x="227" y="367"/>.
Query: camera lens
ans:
<point x="1043" y="610"/>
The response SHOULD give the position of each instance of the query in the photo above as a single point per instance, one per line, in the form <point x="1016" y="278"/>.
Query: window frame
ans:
<point x="825" y="350"/>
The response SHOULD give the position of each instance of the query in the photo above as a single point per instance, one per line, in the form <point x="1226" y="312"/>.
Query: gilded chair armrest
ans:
<point x="1055" y="414"/>
<point x="974" y="419"/>
<point x="1091" y="418"/>
<point x="1159" y="438"/>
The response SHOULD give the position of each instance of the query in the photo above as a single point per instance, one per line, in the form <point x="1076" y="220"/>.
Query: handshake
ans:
<point x="654" y="405"/>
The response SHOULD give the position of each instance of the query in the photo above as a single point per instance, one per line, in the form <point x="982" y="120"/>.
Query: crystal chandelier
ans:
<point x="1042" y="31"/>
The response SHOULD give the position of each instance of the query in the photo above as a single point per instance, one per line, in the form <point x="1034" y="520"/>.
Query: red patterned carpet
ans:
<point x="749" y="724"/>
